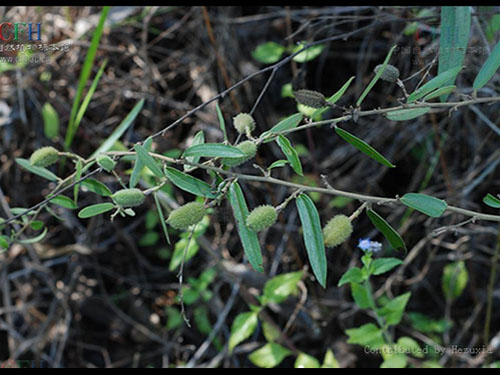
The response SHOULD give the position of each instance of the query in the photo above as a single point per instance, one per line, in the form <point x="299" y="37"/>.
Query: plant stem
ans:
<point x="491" y="286"/>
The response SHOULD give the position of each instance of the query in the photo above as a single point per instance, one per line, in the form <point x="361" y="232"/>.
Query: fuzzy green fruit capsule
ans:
<point x="337" y="230"/>
<point x="106" y="162"/>
<point x="185" y="216"/>
<point x="45" y="156"/>
<point x="128" y="197"/>
<point x="310" y="98"/>
<point x="249" y="149"/>
<point x="244" y="123"/>
<point x="390" y="73"/>
<point x="261" y="218"/>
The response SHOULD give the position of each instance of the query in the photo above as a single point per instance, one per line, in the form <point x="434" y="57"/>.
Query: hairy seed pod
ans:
<point x="249" y="149"/>
<point x="185" y="216"/>
<point x="128" y="197"/>
<point x="44" y="157"/>
<point x="337" y="230"/>
<point x="310" y="98"/>
<point x="106" y="162"/>
<point x="390" y="73"/>
<point x="244" y="123"/>
<point x="261" y="218"/>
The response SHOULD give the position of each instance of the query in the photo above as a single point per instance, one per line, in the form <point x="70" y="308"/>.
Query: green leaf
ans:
<point x="330" y="361"/>
<point x="138" y="165"/>
<point x="389" y="232"/>
<point x="268" y="53"/>
<point x="248" y="237"/>
<point x="488" y="69"/>
<point x="393" y="311"/>
<point x="426" y="204"/>
<point x="50" y="121"/>
<point x="222" y="123"/>
<point x="84" y="76"/>
<point x="277" y="164"/>
<point x="368" y="335"/>
<point x="213" y="150"/>
<point x="334" y="98"/>
<point x="162" y="217"/>
<point x="376" y="77"/>
<point x="491" y="201"/>
<point x="407" y="114"/>
<point x="363" y="147"/>
<point x="309" y="54"/>
<point x="354" y="274"/>
<point x="454" y="279"/>
<point x="288" y="123"/>
<point x="189" y="183"/>
<point x="361" y="296"/>
<point x="65" y="202"/>
<point x="242" y="328"/>
<point x="454" y="37"/>
<point x="439" y="92"/>
<point x="78" y="175"/>
<point x="408" y="345"/>
<point x="148" y="160"/>
<point x="35" y="239"/>
<point x="88" y="96"/>
<point x="118" y="132"/>
<point x="4" y="243"/>
<point x="270" y="355"/>
<point x="383" y="265"/>
<point x="198" y="139"/>
<point x="180" y="250"/>
<point x="306" y="361"/>
<point x="395" y="361"/>
<point x="42" y="172"/>
<point x="313" y="237"/>
<point x="97" y="187"/>
<point x="95" y="209"/>
<point x="425" y="324"/>
<point x="446" y="78"/>
<point x="280" y="287"/>
<point x="291" y="154"/>
<point x="174" y="317"/>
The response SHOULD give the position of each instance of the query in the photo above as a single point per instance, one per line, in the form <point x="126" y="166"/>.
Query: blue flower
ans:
<point x="366" y="244"/>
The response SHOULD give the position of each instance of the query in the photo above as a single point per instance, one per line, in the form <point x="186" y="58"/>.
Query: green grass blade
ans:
<point x="127" y="121"/>
<point x="84" y="76"/>
<point x="488" y="69"/>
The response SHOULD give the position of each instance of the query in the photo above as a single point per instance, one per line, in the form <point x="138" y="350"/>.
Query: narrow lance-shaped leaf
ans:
<point x="50" y="121"/>
<point x="139" y="165"/>
<point x="118" y="132"/>
<point x="65" y="202"/>
<point x="313" y="237"/>
<point x="148" y="160"/>
<point x="35" y="239"/>
<point x="491" y="201"/>
<point x="189" y="183"/>
<point x="488" y="69"/>
<point x="198" y="139"/>
<point x="389" y="232"/>
<point x="288" y="123"/>
<point x="363" y="147"/>
<point x="407" y="114"/>
<point x="426" y="204"/>
<point x="42" y="172"/>
<point x="376" y="77"/>
<point x="95" y="209"/>
<point x="334" y="98"/>
<point x="243" y="326"/>
<point x="222" y="123"/>
<point x="97" y="187"/>
<point x="454" y="37"/>
<point x="290" y="153"/>
<point x="439" y="92"/>
<point x="441" y="80"/>
<point x="248" y="237"/>
<point x="162" y="217"/>
<point x="213" y="150"/>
